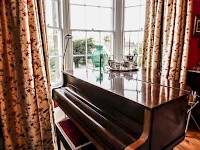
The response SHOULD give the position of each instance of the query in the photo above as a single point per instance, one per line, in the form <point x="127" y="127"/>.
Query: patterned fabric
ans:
<point x="25" y="98"/>
<point x="167" y="33"/>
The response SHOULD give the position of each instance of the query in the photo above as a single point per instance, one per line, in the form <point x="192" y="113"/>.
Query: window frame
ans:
<point x="70" y="30"/>
<point x="118" y="32"/>
<point x="60" y="51"/>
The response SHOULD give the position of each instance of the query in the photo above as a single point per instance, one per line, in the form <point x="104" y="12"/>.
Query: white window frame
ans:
<point x="60" y="28"/>
<point x="118" y="34"/>
<point x="129" y="31"/>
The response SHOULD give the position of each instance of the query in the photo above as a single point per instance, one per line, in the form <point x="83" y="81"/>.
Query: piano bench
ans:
<point x="71" y="137"/>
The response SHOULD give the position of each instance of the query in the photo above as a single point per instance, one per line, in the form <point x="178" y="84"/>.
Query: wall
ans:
<point x="194" y="50"/>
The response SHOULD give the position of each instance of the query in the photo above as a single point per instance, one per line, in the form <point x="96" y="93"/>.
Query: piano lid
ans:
<point x="149" y="91"/>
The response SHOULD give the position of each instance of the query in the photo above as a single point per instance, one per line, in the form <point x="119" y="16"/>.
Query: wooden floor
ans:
<point x="192" y="140"/>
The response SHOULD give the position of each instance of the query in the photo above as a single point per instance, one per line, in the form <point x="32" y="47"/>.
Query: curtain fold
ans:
<point x="176" y="39"/>
<point x="25" y="92"/>
<point x="166" y="39"/>
<point x="152" y="33"/>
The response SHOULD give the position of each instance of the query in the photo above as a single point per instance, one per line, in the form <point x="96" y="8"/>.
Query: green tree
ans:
<point x="79" y="48"/>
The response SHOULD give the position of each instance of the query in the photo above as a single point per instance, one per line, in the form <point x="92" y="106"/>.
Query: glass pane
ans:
<point x="106" y="18"/>
<point x="95" y="36"/>
<point x="52" y="13"/>
<point x="54" y="42"/>
<point x="77" y="1"/>
<point x="132" y="19"/>
<point x="92" y="19"/>
<point x="79" y="62"/>
<point x="92" y="2"/>
<point x="55" y="63"/>
<point x="79" y="43"/>
<point x="107" y="42"/>
<point x="141" y="40"/>
<point x="140" y="61"/>
<point x="106" y="3"/>
<point x="142" y="17"/>
<point x="90" y="45"/>
<point x="77" y="17"/>
<point x="89" y="62"/>
<point x="133" y="2"/>
<point x="131" y="43"/>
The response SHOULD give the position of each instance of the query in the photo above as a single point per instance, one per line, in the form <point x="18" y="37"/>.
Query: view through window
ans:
<point x="91" y="25"/>
<point x="92" y="22"/>
<point x="54" y="37"/>
<point x="134" y="19"/>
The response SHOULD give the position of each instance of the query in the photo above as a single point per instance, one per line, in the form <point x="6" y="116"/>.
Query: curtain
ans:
<point x="166" y="40"/>
<point x="25" y="97"/>
<point x="177" y="23"/>
<point x="152" y="35"/>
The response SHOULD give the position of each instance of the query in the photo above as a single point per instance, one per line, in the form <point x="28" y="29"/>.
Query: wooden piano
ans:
<point x="125" y="110"/>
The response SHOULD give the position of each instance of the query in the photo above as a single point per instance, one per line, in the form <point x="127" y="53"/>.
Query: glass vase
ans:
<point x="99" y="56"/>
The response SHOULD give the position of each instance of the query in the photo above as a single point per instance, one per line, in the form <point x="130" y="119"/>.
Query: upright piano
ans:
<point x="125" y="110"/>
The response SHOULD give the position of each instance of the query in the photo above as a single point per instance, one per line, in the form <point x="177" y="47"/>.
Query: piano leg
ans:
<point x="145" y="134"/>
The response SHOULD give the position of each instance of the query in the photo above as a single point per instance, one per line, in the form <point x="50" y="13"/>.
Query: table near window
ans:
<point x="125" y="110"/>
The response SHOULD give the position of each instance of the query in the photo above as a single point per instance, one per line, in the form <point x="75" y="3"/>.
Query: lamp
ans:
<point x="68" y="37"/>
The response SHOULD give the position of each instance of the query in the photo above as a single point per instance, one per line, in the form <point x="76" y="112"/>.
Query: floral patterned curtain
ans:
<point x="167" y="33"/>
<point x="177" y="23"/>
<point x="25" y="98"/>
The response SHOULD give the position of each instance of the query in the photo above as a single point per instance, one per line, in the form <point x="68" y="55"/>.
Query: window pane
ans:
<point x="141" y="40"/>
<point x="92" y="2"/>
<point x="133" y="2"/>
<point x="54" y="42"/>
<point x="89" y="62"/>
<point x="132" y="19"/>
<point x="140" y="61"/>
<point x="52" y="13"/>
<point x="79" y="43"/>
<point x="107" y="3"/>
<point x="77" y="1"/>
<point x="77" y="17"/>
<point x="92" y="18"/>
<point x="105" y="18"/>
<point x="90" y="45"/>
<point x="131" y="43"/>
<point x="142" y="17"/>
<point x="79" y="62"/>
<point x="95" y="36"/>
<point x="107" y="42"/>
<point x="55" y="68"/>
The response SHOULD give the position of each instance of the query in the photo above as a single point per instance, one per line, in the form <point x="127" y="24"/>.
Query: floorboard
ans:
<point x="192" y="140"/>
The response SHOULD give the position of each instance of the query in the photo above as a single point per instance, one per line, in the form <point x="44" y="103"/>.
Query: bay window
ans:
<point x="118" y="25"/>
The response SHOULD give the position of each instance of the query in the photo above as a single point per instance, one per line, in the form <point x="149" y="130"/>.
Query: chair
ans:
<point x="192" y="103"/>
